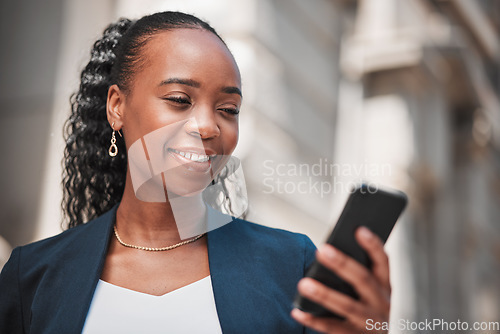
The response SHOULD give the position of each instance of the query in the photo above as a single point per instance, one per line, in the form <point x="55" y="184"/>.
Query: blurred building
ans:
<point x="403" y="93"/>
<point x="429" y="76"/>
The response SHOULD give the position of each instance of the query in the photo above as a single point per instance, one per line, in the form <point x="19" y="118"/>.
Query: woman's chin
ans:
<point x="189" y="188"/>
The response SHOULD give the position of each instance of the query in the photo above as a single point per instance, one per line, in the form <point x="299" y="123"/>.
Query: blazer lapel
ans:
<point x="72" y="286"/>
<point x="226" y="281"/>
<point x="251" y="288"/>
<point x="230" y="268"/>
<point x="90" y="270"/>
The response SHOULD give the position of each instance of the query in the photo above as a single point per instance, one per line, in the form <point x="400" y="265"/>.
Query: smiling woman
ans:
<point x="157" y="258"/>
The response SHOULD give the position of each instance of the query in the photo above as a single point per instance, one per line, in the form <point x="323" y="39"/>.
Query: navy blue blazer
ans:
<point x="47" y="286"/>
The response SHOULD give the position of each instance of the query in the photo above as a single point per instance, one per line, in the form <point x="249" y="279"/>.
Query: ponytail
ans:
<point x="93" y="182"/>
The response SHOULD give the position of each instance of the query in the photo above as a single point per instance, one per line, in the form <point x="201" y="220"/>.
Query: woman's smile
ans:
<point x="193" y="159"/>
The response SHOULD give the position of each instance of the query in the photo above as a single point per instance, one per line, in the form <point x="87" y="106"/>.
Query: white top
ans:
<point x="190" y="309"/>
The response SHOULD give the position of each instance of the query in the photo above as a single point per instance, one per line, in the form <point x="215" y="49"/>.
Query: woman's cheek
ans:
<point x="230" y="138"/>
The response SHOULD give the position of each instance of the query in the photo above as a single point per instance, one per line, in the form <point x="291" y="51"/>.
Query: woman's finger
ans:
<point x="354" y="273"/>
<point x="354" y="311"/>
<point x="375" y="249"/>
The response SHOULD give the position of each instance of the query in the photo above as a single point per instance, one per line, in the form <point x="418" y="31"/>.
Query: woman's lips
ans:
<point x="193" y="161"/>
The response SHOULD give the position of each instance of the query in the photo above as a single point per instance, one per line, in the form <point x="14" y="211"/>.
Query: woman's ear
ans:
<point x="114" y="106"/>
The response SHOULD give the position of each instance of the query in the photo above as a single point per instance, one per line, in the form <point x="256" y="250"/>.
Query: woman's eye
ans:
<point x="178" y="99"/>
<point x="232" y="111"/>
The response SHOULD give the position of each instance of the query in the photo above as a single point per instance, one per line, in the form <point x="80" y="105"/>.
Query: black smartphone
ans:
<point x="368" y="205"/>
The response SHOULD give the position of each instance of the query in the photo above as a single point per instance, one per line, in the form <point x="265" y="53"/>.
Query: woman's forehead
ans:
<point x="189" y="52"/>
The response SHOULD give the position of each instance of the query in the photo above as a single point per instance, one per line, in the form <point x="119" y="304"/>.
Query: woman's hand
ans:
<point x="373" y="287"/>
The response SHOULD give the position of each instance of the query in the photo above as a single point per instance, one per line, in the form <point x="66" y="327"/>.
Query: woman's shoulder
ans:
<point x="240" y="232"/>
<point x="266" y="234"/>
<point x="68" y="242"/>
<point x="245" y="237"/>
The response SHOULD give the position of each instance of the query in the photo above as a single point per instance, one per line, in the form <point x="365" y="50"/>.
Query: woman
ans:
<point x="170" y="87"/>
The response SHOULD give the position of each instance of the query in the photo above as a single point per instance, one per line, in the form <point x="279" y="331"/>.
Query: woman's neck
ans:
<point x="157" y="224"/>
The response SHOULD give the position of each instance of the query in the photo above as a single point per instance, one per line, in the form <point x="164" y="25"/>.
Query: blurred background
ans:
<point x="404" y="93"/>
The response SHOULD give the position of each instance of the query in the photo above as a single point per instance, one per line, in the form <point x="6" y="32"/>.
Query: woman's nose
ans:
<point x="203" y="123"/>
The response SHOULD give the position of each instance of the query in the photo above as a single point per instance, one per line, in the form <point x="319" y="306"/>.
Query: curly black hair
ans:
<point x="92" y="182"/>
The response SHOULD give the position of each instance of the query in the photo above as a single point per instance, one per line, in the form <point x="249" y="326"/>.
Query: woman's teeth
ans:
<point x="193" y="156"/>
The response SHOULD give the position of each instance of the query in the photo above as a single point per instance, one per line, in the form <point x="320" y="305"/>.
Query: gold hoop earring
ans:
<point x="113" y="149"/>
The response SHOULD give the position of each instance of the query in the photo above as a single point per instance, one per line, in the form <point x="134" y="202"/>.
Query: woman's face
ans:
<point x="182" y="107"/>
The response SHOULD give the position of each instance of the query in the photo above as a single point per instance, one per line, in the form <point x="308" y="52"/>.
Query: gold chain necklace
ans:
<point x="153" y="249"/>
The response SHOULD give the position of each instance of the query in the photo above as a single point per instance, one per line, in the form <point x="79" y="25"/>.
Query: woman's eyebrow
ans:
<point x="196" y="84"/>
<point x="187" y="82"/>
<point x="231" y="90"/>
